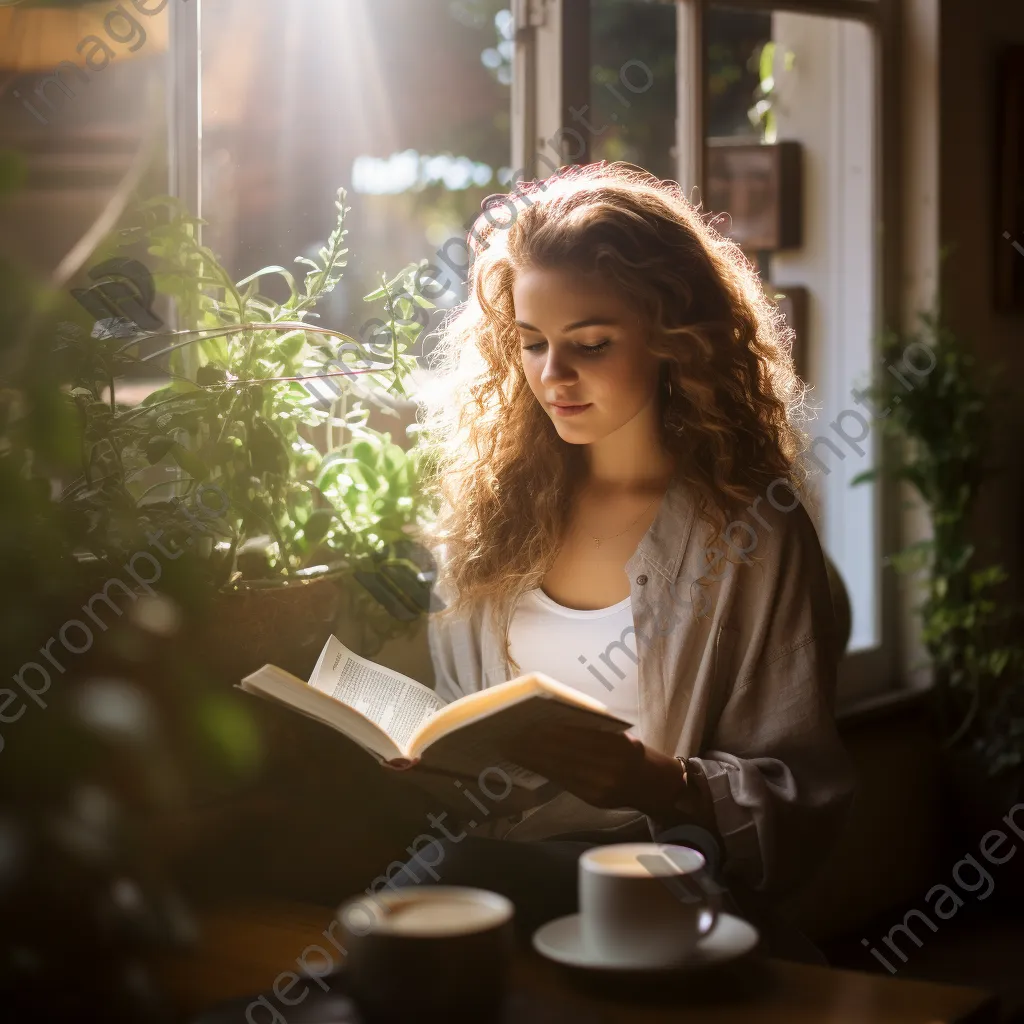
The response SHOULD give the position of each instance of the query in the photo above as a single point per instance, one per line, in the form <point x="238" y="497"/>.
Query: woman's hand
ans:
<point x="603" y="769"/>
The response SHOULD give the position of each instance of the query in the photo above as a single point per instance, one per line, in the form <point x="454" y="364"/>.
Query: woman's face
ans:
<point x="583" y="352"/>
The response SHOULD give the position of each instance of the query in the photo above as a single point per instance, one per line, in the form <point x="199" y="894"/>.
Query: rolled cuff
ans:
<point x="735" y="823"/>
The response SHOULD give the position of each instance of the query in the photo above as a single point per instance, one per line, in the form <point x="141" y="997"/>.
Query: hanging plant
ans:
<point x="762" y="114"/>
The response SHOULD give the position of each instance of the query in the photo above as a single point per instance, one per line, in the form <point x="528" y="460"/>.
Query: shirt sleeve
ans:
<point x="440" y="641"/>
<point x="454" y="643"/>
<point x="779" y="776"/>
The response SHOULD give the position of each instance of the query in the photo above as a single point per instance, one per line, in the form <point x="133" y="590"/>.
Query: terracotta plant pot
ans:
<point x="270" y="622"/>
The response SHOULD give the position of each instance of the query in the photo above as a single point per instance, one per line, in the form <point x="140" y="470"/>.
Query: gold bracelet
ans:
<point x="697" y="793"/>
<point x="685" y="795"/>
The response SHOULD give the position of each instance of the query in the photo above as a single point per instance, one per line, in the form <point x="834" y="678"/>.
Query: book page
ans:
<point x="397" y="704"/>
<point x="494" y="699"/>
<point x="275" y="684"/>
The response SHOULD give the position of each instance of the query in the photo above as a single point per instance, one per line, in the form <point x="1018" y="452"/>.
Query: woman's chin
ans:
<point x="572" y="433"/>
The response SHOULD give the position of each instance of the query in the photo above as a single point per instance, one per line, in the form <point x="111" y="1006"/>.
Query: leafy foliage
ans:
<point x="256" y="396"/>
<point x="969" y="635"/>
<point x="762" y="114"/>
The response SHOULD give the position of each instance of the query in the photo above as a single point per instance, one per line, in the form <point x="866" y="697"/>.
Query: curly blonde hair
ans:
<point x="503" y="478"/>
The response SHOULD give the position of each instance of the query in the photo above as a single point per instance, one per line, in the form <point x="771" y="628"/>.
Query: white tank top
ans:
<point x="593" y="651"/>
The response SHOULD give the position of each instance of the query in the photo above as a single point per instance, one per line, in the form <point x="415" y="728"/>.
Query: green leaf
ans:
<point x="189" y="461"/>
<point x="290" y="344"/>
<point x="366" y="453"/>
<point x="157" y="447"/>
<point x="210" y="374"/>
<point x="266" y="448"/>
<point x="865" y="477"/>
<point x="318" y="524"/>
<point x="266" y="271"/>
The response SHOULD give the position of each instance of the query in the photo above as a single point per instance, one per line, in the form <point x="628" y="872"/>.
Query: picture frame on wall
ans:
<point x="1009" y="262"/>
<point x="759" y="187"/>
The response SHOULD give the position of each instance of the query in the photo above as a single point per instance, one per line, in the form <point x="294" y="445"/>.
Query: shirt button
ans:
<point x="641" y="579"/>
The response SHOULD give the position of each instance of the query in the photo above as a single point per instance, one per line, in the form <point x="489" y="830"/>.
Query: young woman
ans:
<point x="618" y="459"/>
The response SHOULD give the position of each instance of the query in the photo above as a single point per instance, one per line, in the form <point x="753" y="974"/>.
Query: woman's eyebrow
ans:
<point x="594" y="321"/>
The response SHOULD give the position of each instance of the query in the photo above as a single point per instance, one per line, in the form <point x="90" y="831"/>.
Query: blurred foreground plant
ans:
<point x="101" y="737"/>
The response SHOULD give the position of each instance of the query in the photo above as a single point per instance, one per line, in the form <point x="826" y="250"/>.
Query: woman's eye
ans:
<point x="585" y="349"/>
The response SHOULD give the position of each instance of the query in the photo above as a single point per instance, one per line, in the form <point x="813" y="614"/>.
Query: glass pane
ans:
<point x="791" y="173"/>
<point x="86" y="110"/>
<point x="735" y="42"/>
<point x="633" y="84"/>
<point x="404" y="103"/>
<point x="82" y="93"/>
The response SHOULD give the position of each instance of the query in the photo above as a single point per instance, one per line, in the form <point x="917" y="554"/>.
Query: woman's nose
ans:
<point x="557" y="370"/>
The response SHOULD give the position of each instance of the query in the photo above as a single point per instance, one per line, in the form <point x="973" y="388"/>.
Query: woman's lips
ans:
<point x="570" y="410"/>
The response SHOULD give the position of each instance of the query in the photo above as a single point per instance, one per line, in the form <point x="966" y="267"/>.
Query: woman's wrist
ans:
<point x="665" y="792"/>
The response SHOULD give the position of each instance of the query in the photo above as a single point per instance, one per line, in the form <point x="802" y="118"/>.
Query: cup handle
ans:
<point x="708" y="917"/>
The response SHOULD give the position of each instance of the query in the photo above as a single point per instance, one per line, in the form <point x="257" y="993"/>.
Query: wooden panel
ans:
<point x="889" y="853"/>
<point x="1010" y="184"/>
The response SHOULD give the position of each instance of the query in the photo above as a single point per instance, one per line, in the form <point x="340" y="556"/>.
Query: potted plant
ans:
<point x="262" y="431"/>
<point x="971" y="636"/>
<point x="254" y="465"/>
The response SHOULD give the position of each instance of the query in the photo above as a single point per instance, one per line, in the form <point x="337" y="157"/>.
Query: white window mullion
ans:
<point x="550" y="80"/>
<point x="185" y="122"/>
<point x="690" y="117"/>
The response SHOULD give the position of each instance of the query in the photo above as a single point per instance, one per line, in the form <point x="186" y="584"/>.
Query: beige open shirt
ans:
<point x="746" y="687"/>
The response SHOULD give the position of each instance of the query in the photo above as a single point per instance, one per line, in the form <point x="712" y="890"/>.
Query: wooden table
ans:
<point x="242" y="951"/>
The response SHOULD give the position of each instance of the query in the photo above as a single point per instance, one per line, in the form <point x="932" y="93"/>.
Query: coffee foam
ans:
<point x="656" y="860"/>
<point x="430" y="914"/>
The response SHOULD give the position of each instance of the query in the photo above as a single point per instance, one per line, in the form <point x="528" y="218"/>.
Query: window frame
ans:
<point x="185" y="130"/>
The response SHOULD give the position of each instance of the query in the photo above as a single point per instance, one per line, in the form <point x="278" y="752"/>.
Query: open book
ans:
<point x="392" y="716"/>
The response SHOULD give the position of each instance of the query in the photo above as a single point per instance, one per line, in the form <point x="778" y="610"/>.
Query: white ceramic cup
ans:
<point x="430" y="952"/>
<point x="646" y="904"/>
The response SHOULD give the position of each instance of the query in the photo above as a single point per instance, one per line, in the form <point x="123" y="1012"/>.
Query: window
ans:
<point x="85" y="102"/>
<point x="404" y="104"/>
<point x="632" y="84"/>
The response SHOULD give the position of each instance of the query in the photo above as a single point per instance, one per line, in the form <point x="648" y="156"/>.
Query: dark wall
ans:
<point x="972" y="38"/>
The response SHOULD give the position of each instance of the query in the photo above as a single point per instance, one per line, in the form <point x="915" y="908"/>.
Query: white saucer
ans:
<point x="562" y="940"/>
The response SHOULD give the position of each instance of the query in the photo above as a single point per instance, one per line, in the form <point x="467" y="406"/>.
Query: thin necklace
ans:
<point x="597" y="540"/>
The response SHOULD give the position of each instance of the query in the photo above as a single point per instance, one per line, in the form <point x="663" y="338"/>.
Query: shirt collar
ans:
<point x="663" y="545"/>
